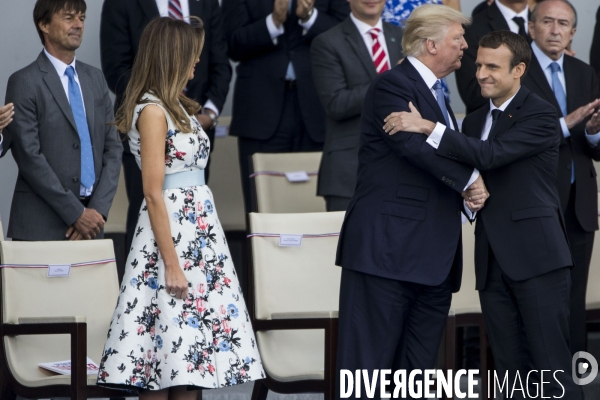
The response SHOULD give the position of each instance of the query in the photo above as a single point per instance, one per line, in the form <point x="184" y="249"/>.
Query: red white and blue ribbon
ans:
<point x="81" y="264"/>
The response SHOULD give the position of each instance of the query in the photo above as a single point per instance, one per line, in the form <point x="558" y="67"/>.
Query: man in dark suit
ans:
<point x="62" y="112"/>
<point x="6" y="113"/>
<point x="120" y="30"/>
<point x="507" y="15"/>
<point x="575" y="96"/>
<point x="275" y="103"/>
<point x="522" y="256"/>
<point x="400" y="244"/>
<point x="595" y="50"/>
<point x="343" y="68"/>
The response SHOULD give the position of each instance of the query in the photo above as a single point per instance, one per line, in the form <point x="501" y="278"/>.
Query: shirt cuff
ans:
<point x="593" y="139"/>
<point x="436" y="136"/>
<point x="308" y="24"/>
<point x="474" y="177"/>
<point x="210" y="105"/>
<point x="274" y="31"/>
<point x="565" y="129"/>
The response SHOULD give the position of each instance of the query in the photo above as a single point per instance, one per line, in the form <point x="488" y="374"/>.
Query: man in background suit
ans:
<point x="67" y="152"/>
<point x="574" y="96"/>
<point x="275" y="104"/>
<point x="522" y="256"/>
<point x="120" y="31"/>
<point x="343" y="67"/>
<point x="501" y="15"/>
<point x="6" y="113"/>
<point x="400" y="245"/>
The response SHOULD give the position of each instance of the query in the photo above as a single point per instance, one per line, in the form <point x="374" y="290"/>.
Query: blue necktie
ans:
<point x="441" y="100"/>
<point x="561" y="98"/>
<point x="87" y="156"/>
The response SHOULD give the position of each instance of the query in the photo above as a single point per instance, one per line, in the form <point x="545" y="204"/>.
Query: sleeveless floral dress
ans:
<point x="156" y="341"/>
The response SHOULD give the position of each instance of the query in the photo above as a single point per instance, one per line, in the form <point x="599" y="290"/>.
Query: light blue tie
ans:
<point x="87" y="155"/>
<point x="561" y="98"/>
<point x="441" y="100"/>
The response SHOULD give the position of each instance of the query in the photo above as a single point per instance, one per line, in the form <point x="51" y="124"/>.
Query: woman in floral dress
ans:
<point x="180" y="322"/>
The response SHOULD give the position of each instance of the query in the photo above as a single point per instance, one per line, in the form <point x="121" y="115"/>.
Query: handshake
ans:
<point x="476" y="195"/>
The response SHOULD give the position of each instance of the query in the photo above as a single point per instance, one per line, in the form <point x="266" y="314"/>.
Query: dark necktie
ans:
<point x="521" y="22"/>
<point x="495" y="115"/>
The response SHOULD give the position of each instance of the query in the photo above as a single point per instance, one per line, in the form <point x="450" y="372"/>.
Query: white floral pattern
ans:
<point x="206" y="340"/>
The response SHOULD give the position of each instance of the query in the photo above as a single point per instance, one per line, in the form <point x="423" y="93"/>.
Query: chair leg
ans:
<point x="260" y="391"/>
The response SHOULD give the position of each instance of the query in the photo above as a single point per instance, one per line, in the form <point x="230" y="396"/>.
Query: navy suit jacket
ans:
<point x="404" y="220"/>
<point x="521" y="221"/>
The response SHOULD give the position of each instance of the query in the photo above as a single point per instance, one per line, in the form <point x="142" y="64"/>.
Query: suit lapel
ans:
<point x="496" y="19"/>
<point x="507" y="119"/>
<point x="393" y="45"/>
<point x="88" y="99"/>
<point x="413" y="74"/>
<point x="357" y="43"/>
<point x="149" y="8"/>
<point x="55" y="86"/>
<point x="473" y="125"/>
<point x="539" y="78"/>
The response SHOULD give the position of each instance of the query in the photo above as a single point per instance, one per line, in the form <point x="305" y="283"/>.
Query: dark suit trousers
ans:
<point x="337" y="203"/>
<point x="581" y="244"/>
<point x="135" y="189"/>
<point x="528" y="327"/>
<point x="389" y="324"/>
<point x="290" y="136"/>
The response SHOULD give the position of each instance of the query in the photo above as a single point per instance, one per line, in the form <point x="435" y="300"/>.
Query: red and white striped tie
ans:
<point x="175" y="11"/>
<point x="380" y="59"/>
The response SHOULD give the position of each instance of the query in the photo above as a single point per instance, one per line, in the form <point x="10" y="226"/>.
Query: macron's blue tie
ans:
<point x="561" y="98"/>
<point x="441" y="100"/>
<point x="88" y="176"/>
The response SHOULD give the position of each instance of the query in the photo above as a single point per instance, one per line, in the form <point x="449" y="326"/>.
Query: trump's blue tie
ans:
<point x="88" y="175"/>
<point x="441" y="100"/>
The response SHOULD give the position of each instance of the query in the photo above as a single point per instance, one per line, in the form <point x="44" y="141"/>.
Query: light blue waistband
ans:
<point x="184" y="179"/>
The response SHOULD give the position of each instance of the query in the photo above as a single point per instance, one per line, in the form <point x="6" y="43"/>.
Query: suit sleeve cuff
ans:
<point x="565" y="129"/>
<point x="593" y="139"/>
<point x="210" y="105"/>
<point x="1" y="140"/>
<point x="274" y="31"/>
<point x="311" y="21"/>
<point x="436" y="136"/>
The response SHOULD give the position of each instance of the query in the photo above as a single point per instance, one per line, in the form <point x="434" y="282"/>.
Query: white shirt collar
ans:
<point x="510" y="14"/>
<point x="544" y="60"/>
<point x="423" y="70"/>
<point x="503" y="105"/>
<point x="60" y="66"/>
<point x="363" y="27"/>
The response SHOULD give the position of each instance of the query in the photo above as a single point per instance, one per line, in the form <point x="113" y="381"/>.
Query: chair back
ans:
<point x="274" y="193"/>
<point x="466" y="301"/>
<point x="90" y="291"/>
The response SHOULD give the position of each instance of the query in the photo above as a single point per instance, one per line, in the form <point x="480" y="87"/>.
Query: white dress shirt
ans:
<point x="1" y="140"/>
<point x="365" y="32"/>
<point x="163" y="10"/>
<point x="61" y="67"/>
<point x="545" y="61"/>
<point x="509" y="14"/>
<point x="430" y="80"/>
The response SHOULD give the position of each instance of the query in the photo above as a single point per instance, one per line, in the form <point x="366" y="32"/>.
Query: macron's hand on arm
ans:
<point x="175" y="280"/>
<point x="408" y="122"/>
<point x="581" y="113"/>
<point x="6" y="113"/>
<point x="89" y="223"/>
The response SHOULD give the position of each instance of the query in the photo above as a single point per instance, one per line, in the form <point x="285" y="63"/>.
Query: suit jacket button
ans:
<point x="75" y="179"/>
<point x="75" y="146"/>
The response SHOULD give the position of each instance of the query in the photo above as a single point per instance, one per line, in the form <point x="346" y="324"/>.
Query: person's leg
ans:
<point x="371" y="321"/>
<point x="543" y="304"/>
<point x="504" y="327"/>
<point x="337" y="203"/>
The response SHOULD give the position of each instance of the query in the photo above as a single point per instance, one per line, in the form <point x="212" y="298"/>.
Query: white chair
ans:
<point x="465" y="309"/>
<point x="272" y="192"/>
<point x="37" y="313"/>
<point x="293" y="301"/>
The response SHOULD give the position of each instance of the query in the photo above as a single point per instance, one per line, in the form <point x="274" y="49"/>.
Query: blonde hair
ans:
<point x="430" y="21"/>
<point x="167" y="52"/>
